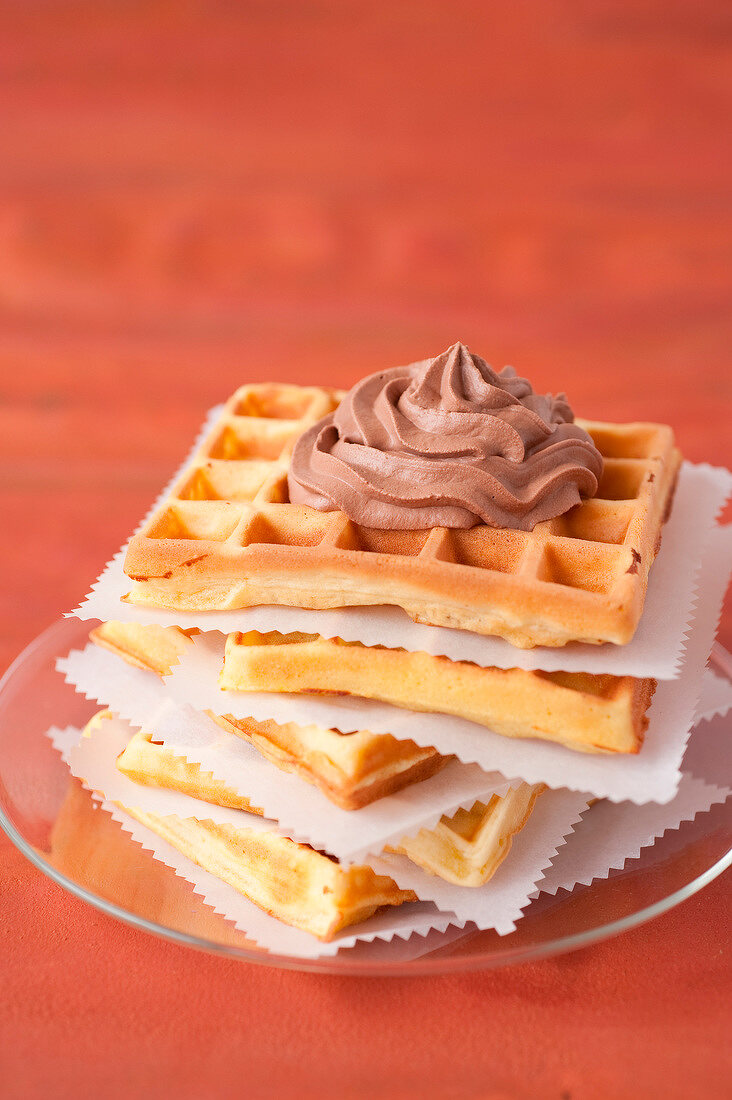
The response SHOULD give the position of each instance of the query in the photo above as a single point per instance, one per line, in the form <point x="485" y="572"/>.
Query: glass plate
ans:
<point x="55" y="823"/>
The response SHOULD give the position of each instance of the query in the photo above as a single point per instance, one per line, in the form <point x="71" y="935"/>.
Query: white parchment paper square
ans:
<point x="611" y="833"/>
<point x="652" y="775"/>
<point x="716" y="695"/>
<point x="708" y="755"/>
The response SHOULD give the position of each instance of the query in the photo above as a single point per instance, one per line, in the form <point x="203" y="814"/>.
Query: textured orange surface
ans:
<point x="193" y="196"/>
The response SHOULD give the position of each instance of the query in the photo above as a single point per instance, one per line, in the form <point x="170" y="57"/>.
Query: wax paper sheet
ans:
<point x="652" y="775"/>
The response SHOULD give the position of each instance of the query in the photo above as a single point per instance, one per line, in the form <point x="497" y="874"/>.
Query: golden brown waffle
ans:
<point x="591" y="713"/>
<point x="226" y="536"/>
<point x="145" y="761"/>
<point x="153" y="648"/>
<point x="290" y="881"/>
<point x="352" y="769"/>
<point x="467" y="848"/>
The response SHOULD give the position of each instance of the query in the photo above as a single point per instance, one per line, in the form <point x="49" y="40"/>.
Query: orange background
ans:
<point x="194" y="196"/>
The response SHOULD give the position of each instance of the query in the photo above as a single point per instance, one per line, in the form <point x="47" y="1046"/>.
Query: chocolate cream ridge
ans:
<point x="446" y="442"/>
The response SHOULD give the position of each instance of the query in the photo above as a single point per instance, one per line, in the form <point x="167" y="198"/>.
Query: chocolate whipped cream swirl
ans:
<point x="446" y="442"/>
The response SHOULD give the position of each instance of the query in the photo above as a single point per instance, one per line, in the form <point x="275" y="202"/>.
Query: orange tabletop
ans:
<point x="194" y="196"/>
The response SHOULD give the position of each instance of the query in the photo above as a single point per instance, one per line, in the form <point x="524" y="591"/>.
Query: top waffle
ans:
<point x="226" y="536"/>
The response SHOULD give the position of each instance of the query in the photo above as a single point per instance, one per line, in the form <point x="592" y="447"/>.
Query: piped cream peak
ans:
<point x="446" y="442"/>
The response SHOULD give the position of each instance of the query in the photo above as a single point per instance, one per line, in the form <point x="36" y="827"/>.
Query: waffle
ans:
<point x="591" y="713"/>
<point x="153" y="648"/>
<point x="290" y="881"/>
<point x="465" y="849"/>
<point x="352" y="769"/>
<point x="151" y="764"/>
<point x="227" y="536"/>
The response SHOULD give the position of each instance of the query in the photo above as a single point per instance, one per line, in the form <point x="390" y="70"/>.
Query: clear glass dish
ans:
<point x="55" y="823"/>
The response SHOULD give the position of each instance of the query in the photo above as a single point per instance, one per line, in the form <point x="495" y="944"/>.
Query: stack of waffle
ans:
<point x="226" y="537"/>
